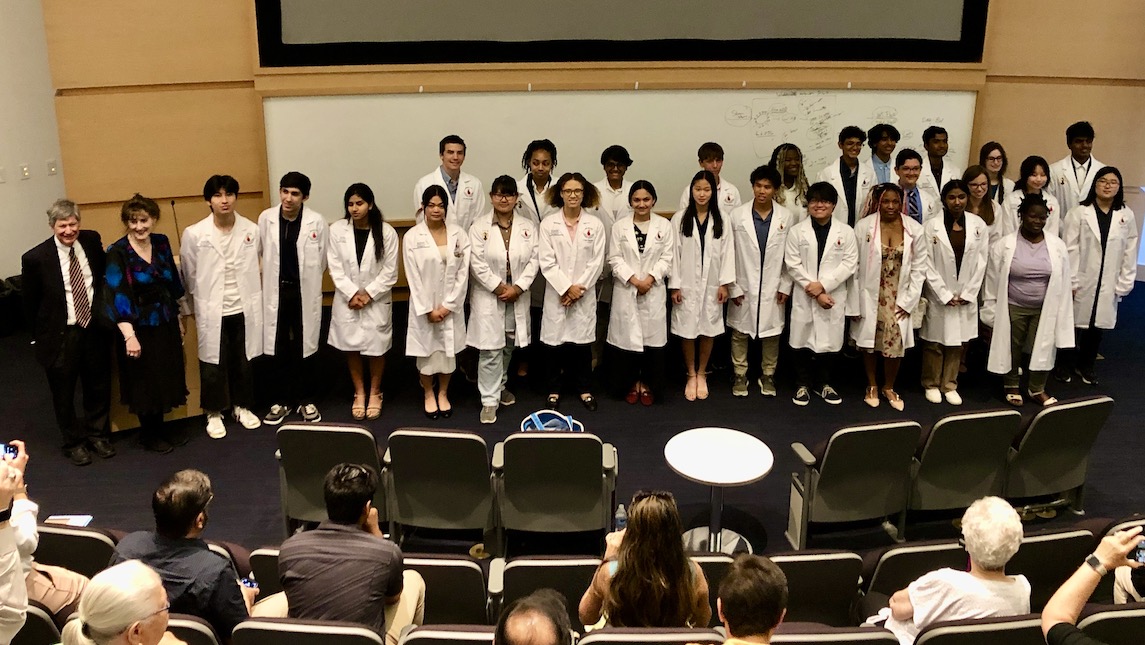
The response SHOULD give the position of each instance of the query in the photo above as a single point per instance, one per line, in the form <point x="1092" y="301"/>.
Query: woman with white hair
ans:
<point x="122" y="605"/>
<point x="992" y="533"/>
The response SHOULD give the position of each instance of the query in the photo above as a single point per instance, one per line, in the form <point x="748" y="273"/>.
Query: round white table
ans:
<point x="720" y="458"/>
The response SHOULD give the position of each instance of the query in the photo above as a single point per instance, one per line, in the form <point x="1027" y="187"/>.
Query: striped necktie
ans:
<point x="79" y="290"/>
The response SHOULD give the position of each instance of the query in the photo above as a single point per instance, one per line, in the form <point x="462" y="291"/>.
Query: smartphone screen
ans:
<point x="10" y="450"/>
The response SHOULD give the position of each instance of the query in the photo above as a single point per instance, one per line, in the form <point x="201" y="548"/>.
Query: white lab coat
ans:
<point x="759" y="316"/>
<point x="433" y="283"/>
<point x="636" y="321"/>
<point x="565" y="262"/>
<point x="487" y="257"/>
<point x="792" y="202"/>
<point x="729" y="198"/>
<point x="812" y="326"/>
<point x="470" y="202"/>
<point x="926" y="177"/>
<point x="864" y="293"/>
<point x="613" y="203"/>
<point x="1010" y="222"/>
<point x="930" y="207"/>
<point x="1065" y="187"/>
<point x="203" y="267"/>
<point x="312" y="239"/>
<point x="952" y="326"/>
<point x="863" y="185"/>
<point x="536" y="207"/>
<point x="1055" y="329"/>
<point x="1082" y="238"/>
<point x="699" y="276"/>
<point x="369" y="330"/>
<point x="870" y="163"/>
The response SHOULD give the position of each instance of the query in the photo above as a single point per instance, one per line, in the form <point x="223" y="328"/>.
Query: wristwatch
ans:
<point x="1096" y="564"/>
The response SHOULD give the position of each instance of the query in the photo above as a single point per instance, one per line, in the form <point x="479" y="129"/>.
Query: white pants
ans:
<point x="493" y="364"/>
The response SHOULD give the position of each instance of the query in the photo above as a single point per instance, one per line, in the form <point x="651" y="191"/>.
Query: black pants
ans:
<point x="1084" y="355"/>
<point x="229" y="383"/>
<point x="628" y="367"/>
<point x="85" y="356"/>
<point x="572" y="362"/>
<point x="291" y="375"/>
<point x="813" y="368"/>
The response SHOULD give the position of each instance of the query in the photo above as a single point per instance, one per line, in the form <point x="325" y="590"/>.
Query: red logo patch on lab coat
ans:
<point x="525" y="233"/>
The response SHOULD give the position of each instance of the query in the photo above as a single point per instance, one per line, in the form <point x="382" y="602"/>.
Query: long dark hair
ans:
<point x="713" y="206"/>
<point x="654" y="584"/>
<point x="434" y="190"/>
<point x="374" y="217"/>
<point x="1118" y="199"/>
<point x="986" y="208"/>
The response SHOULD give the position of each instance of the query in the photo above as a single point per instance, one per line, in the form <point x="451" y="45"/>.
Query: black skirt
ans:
<point x="155" y="382"/>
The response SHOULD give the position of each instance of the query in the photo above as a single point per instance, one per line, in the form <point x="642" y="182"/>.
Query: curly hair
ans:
<point x="992" y="531"/>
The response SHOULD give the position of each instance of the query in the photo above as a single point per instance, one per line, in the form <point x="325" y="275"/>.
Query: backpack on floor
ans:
<point x="550" y="421"/>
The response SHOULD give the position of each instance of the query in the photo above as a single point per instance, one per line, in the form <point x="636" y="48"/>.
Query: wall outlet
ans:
<point x="53" y="167"/>
<point x="25" y="171"/>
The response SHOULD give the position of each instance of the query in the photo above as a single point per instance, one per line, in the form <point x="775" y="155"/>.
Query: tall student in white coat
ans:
<point x="916" y="203"/>
<point x="1072" y="177"/>
<point x="502" y="264"/>
<point x="640" y="252"/>
<point x="571" y="258"/>
<point x="539" y="160"/>
<point x="466" y="194"/>
<point x="363" y="259"/>
<point x="791" y="193"/>
<point x="219" y="261"/>
<point x="821" y="256"/>
<point x="959" y="249"/>
<point x="1026" y="300"/>
<point x="762" y="285"/>
<point x="614" y="206"/>
<point x="888" y="283"/>
<point x="937" y="170"/>
<point x="852" y="180"/>
<point x="293" y="240"/>
<point x="711" y="158"/>
<point x="703" y="271"/>
<point x="1101" y="237"/>
<point x="436" y="258"/>
<point x="1033" y="180"/>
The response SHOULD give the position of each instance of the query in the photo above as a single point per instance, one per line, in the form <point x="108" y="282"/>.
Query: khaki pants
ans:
<point x="1023" y="330"/>
<point x="408" y="610"/>
<point x="940" y="366"/>
<point x="769" y="351"/>
<point x="54" y="587"/>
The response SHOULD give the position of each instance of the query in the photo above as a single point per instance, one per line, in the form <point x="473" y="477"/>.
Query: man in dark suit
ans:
<point x="61" y="284"/>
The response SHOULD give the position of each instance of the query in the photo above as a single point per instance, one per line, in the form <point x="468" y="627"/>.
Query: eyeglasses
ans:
<point x="1108" y="181"/>
<point x="994" y="158"/>
<point x="572" y="191"/>
<point x="166" y="607"/>
<point x="612" y="165"/>
<point x="503" y="197"/>
<point x="910" y="169"/>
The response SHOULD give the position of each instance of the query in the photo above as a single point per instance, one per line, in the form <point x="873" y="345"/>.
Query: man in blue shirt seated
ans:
<point x="199" y="581"/>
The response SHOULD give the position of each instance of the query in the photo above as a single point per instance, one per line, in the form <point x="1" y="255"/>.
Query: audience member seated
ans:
<point x="1128" y="585"/>
<point x="125" y="604"/>
<point x="992" y="533"/>
<point x="345" y="569"/>
<point x="13" y="593"/>
<point x="646" y="580"/>
<point x="56" y="588"/>
<point x="752" y="600"/>
<point x="1059" y="617"/>
<point x="199" y="581"/>
<point x="540" y="618"/>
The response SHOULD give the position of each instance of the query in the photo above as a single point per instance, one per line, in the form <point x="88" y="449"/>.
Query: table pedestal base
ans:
<point x="730" y="542"/>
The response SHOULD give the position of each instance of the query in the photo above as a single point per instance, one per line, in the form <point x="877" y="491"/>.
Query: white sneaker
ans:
<point x="246" y="417"/>
<point x="933" y="395"/>
<point x="215" y="427"/>
<point x="488" y="414"/>
<point x="953" y="398"/>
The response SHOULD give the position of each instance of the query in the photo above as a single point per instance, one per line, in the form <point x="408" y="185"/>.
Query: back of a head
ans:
<point x="179" y="500"/>
<point x="654" y="582"/>
<point x="114" y="599"/>
<point x="992" y="531"/>
<point x="540" y="618"/>
<point x="753" y="596"/>
<point x="347" y="489"/>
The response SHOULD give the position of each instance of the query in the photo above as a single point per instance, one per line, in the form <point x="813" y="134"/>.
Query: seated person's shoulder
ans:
<point x="136" y="545"/>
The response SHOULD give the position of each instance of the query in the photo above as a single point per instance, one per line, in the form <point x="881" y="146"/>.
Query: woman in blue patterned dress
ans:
<point x="145" y="289"/>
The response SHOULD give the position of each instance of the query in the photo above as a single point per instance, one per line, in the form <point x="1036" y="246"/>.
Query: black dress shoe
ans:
<point x="589" y="402"/>
<point x="102" y="447"/>
<point x="175" y="437"/>
<point x="79" y="455"/>
<point x="155" y="443"/>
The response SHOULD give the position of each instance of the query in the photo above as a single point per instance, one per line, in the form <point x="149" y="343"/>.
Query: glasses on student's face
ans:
<point x="1108" y="181"/>
<point x="910" y="169"/>
<point x="994" y="158"/>
<point x="572" y="191"/>
<point x="502" y="197"/>
<point x="612" y="165"/>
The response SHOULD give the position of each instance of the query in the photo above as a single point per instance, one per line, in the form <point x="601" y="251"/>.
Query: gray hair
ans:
<point x="993" y="532"/>
<point x="62" y="209"/>
<point x="114" y="599"/>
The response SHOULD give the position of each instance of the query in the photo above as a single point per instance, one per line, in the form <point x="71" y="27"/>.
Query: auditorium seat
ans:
<point x="293" y="631"/>
<point x="797" y="633"/>
<point x="715" y="566"/>
<point x="39" y="628"/>
<point x="455" y="589"/>
<point x="1015" y="630"/>
<point x="885" y="571"/>
<point x="821" y="585"/>
<point x="1051" y="457"/>
<point x="626" y="635"/>
<point x="264" y="565"/>
<point x="568" y="575"/>
<point x="1049" y="558"/>
<point x="1115" y="624"/>
<point x="860" y="473"/>
<point x="306" y="452"/>
<point x="192" y="629"/>
<point x="83" y="550"/>
<point x="448" y="635"/>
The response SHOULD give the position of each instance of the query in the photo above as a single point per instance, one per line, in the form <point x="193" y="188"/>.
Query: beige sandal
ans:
<point x="894" y="399"/>
<point x="358" y="409"/>
<point x="374" y="410"/>
<point x="872" y="397"/>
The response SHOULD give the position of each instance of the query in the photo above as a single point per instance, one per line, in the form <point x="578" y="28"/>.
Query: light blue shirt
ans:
<point x="883" y="169"/>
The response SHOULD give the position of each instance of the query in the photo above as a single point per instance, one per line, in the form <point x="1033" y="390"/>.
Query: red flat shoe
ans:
<point x="646" y="398"/>
<point x="632" y="397"/>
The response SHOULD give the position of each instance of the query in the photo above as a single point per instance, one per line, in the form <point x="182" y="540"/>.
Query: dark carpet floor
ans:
<point x="243" y="470"/>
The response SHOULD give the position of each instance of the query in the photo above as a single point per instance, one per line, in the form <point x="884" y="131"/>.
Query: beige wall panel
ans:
<point x="1029" y="118"/>
<point x="159" y="143"/>
<point x="105" y="43"/>
<point x="1066" y="38"/>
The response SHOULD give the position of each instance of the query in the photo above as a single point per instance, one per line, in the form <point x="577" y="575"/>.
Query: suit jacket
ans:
<point x="45" y="303"/>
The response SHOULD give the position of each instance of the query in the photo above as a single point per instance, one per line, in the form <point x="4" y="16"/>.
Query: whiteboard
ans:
<point x="390" y="141"/>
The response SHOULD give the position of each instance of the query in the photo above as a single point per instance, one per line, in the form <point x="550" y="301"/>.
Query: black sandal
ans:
<point x="553" y="402"/>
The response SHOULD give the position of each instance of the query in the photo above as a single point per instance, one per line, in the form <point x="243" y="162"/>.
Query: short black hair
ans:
<point x="452" y="138"/>
<point x="504" y="185"/>
<point x="295" y="179"/>
<point x="852" y="132"/>
<point x="225" y="183"/>
<point x="1079" y="130"/>
<point x="616" y="153"/>
<point x="932" y="132"/>
<point x="178" y="501"/>
<point x="548" y="603"/>
<point x="347" y="489"/>
<point x="766" y="172"/>
<point x="710" y="150"/>
<point x="753" y="595"/>
<point x="822" y="191"/>
<point x="877" y="132"/>
<point x="905" y="155"/>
